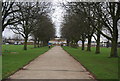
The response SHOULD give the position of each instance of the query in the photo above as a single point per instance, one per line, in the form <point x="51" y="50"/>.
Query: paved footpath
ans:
<point x="54" y="64"/>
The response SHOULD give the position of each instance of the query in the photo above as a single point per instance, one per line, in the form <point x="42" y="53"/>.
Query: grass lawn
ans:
<point x="14" y="57"/>
<point x="0" y="67"/>
<point x="98" y="64"/>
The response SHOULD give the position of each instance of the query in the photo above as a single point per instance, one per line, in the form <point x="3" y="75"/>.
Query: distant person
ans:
<point x="49" y="44"/>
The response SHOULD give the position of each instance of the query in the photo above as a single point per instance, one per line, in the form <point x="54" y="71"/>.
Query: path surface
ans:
<point x="54" y="64"/>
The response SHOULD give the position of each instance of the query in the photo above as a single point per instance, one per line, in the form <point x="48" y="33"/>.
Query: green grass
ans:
<point x="0" y="67"/>
<point x="14" y="57"/>
<point x="98" y="64"/>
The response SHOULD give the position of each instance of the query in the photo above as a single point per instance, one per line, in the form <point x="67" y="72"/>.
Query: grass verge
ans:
<point x="0" y="67"/>
<point x="14" y="57"/>
<point x="98" y="64"/>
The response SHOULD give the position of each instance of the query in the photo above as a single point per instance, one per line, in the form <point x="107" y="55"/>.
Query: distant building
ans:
<point x="58" y="41"/>
<point x="93" y="43"/>
<point x="17" y="41"/>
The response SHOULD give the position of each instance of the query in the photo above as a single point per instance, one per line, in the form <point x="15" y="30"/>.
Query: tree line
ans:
<point x="85" y="20"/>
<point x="29" y="19"/>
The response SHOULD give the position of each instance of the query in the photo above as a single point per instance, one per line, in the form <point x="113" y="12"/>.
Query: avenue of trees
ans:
<point x="89" y="19"/>
<point x="28" y="19"/>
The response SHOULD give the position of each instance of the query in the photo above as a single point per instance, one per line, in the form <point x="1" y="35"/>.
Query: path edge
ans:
<point x="93" y="76"/>
<point x="8" y="78"/>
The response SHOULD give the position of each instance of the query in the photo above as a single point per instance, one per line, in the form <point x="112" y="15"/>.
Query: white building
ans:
<point x="58" y="41"/>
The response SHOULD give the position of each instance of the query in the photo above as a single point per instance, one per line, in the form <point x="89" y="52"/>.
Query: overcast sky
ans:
<point x="57" y="16"/>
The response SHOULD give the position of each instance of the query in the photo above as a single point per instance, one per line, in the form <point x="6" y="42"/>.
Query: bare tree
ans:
<point x="27" y="16"/>
<point x="8" y="10"/>
<point x="109" y="14"/>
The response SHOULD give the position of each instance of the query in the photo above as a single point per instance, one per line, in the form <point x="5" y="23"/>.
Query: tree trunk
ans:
<point x="35" y="43"/>
<point x="83" y="44"/>
<point x="89" y="43"/>
<point x="25" y="43"/>
<point x="42" y="43"/>
<point x="45" y="43"/>
<point x="114" y="40"/>
<point x="38" y="44"/>
<point x="114" y="49"/>
<point x="68" y="43"/>
<point x="74" y="44"/>
<point x="98" y="43"/>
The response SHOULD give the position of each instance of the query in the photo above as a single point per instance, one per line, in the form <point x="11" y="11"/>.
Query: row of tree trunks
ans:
<point x="89" y="44"/>
<point x="38" y="44"/>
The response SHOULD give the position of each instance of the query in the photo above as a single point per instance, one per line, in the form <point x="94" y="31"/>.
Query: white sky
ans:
<point x="57" y="16"/>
